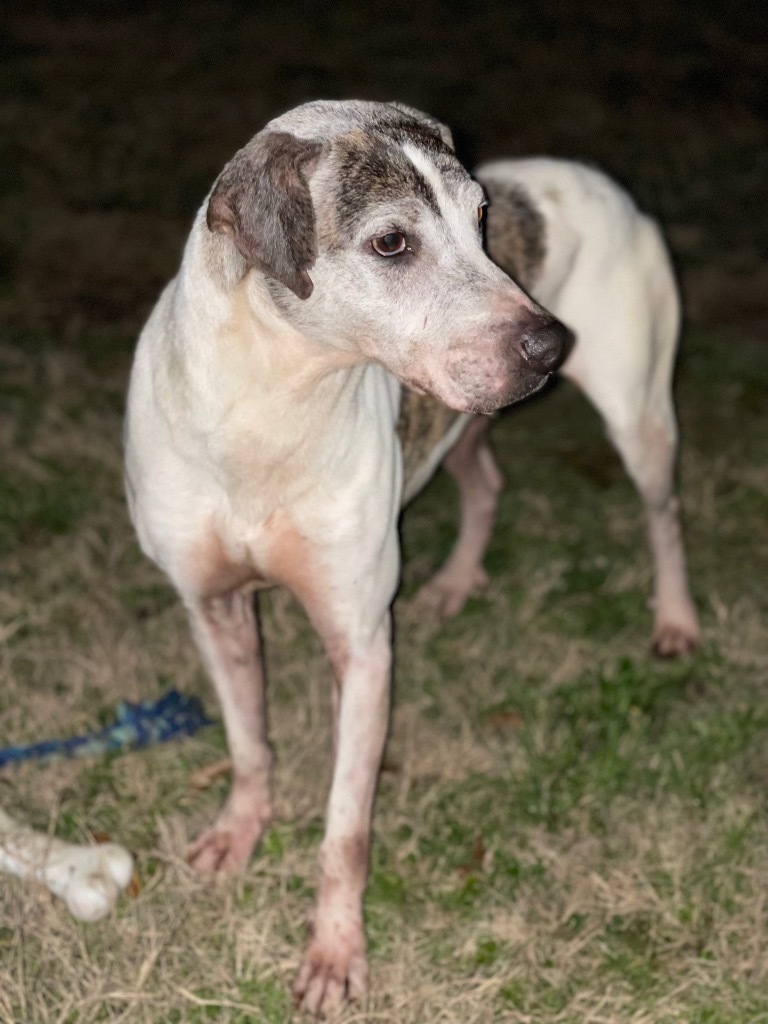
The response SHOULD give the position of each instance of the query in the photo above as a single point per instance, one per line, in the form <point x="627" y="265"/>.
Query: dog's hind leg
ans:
<point x="624" y="363"/>
<point x="648" y="450"/>
<point x="472" y="465"/>
<point x="227" y="633"/>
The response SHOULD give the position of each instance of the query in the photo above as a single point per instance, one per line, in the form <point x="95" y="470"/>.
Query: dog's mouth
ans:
<point x="490" y="404"/>
<point x="415" y="386"/>
<point x="487" y="395"/>
<point x="484" y="374"/>
<point x="473" y="385"/>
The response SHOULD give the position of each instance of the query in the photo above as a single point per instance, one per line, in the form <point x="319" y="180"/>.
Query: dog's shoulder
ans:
<point x="536" y="203"/>
<point x="515" y="229"/>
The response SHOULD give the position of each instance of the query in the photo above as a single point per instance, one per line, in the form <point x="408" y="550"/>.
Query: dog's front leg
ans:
<point x="351" y="612"/>
<point x="227" y="634"/>
<point x="334" y="967"/>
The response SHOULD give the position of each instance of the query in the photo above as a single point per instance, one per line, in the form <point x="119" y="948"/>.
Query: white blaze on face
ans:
<point x="458" y="206"/>
<point x="470" y="356"/>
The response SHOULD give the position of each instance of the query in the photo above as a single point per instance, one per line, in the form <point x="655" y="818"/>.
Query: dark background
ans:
<point x="115" y="118"/>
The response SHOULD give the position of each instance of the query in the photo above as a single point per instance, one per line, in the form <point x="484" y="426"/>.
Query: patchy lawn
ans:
<point x="566" y="830"/>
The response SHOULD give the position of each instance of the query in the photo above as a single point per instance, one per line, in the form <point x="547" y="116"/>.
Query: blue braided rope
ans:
<point x="135" y="725"/>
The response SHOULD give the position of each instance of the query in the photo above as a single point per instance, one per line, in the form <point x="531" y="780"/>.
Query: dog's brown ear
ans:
<point x="438" y="128"/>
<point x="261" y="201"/>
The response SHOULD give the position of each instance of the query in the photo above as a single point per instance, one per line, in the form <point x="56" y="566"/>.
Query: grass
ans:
<point x="566" y="829"/>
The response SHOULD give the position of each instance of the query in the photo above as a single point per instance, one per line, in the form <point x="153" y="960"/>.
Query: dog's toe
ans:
<point x="330" y="977"/>
<point x="445" y="595"/>
<point x="226" y="847"/>
<point x="674" y="641"/>
<point x="219" y="852"/>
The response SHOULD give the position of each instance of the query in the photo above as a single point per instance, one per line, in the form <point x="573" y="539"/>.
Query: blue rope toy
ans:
<point x="135" y="726"/>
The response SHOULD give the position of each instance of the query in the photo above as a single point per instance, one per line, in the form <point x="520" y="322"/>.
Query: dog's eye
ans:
<point x="391" y="244"/>
<point x="481" y="214"/>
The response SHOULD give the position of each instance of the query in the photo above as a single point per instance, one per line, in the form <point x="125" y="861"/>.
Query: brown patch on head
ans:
<point x="372" y="171"/>
<point x="426" y="120"/>
<point x="423" y="422"/>
<point x="399" y="127"/>
<point x="515" y="232"/>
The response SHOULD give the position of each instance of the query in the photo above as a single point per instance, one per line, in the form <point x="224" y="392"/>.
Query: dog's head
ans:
<point x="367" y="228"/>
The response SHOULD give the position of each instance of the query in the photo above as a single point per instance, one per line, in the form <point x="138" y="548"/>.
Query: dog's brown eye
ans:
<point x="391" y="244"/>
<point x="480" y="214"/>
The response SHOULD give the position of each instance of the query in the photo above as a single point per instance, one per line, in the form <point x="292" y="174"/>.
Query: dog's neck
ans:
<point x="246" y="360"/>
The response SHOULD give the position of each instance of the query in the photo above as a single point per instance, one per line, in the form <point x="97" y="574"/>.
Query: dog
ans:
<point x="335" y="331"/>
<point x="333" y="284"/>
<point x="577" y="241"/>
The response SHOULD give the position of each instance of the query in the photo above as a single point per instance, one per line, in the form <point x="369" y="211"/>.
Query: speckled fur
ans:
<point x="373" y="170"/>
<point x="515" y="232"/>
<point x="423" y="423"/>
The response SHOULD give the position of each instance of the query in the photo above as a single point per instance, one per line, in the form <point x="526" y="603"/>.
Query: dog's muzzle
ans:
<point x="507" y="363"/>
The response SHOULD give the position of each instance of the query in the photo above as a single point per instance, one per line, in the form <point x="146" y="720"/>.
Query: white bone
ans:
<point x="88" y="878"/>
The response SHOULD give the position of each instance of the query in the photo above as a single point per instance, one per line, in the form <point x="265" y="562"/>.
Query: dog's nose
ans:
<point x="546" y="349"/>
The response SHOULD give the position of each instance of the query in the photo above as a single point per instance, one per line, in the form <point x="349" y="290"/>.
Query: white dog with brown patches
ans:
<point x="333" y="328"/>
<point x="581" y="246"/>
<point x="337" y="259"/>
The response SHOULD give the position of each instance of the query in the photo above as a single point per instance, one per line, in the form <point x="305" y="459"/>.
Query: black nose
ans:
<point x="547" y="348"/>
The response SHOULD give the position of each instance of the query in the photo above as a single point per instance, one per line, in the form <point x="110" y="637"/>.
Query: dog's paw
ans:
<point x="671" y="640"/>
<point x="225" y="848"/>
<point x="331" y="975"/>
<point x="90" y="879"/>
<point x="445" y="595"/>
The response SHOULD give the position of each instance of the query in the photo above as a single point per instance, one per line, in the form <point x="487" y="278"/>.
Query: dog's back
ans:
<point x="576" y="239"/>
<point x="544" y="213"/>
<point x="589" y="235"/>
